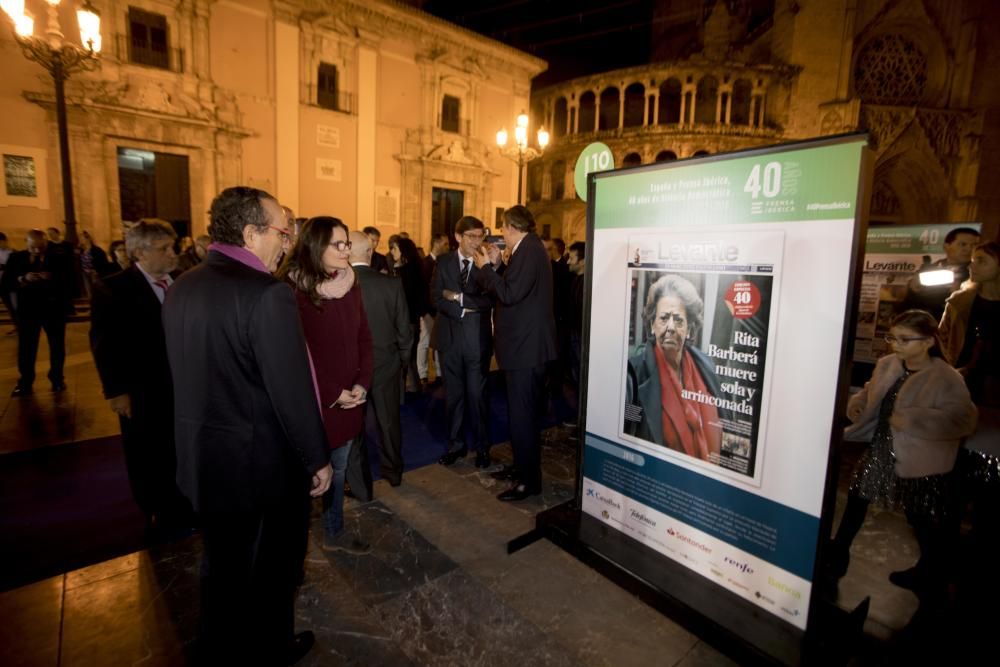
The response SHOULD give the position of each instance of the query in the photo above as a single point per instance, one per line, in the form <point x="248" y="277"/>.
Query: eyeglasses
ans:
<point x="477" y="236"/>
<point x="904" y="340"/>
<point x="285" y="233"/>
<point x="340" y="246"/>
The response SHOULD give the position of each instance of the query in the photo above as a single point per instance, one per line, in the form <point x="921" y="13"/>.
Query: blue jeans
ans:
<point x="333" y="499"/>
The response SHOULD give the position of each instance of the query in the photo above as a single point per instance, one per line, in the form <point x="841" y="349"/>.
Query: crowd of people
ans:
<point x="931" y="413"/>
<point x="242" y="364"/>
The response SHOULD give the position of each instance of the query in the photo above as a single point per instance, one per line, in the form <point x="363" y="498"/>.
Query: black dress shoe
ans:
<point x="450" y="458"/>
<point x="483" y="459"/>
<point x="59" y="386"/>
<point x="20" y="391"/>
<point x="300" y="645"/>
<point x="507" y="473"/>
<point x="518" y="492"/>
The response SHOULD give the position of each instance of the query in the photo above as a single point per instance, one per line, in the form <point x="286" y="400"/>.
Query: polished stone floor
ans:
<point x="438" y="587"/>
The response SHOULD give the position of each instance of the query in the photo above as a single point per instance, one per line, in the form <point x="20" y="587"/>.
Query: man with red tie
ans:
<point x="126" y="337"/>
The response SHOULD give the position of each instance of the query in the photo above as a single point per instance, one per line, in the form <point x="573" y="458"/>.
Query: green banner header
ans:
<point x="811" y="183"/>
<point x="912" y="239"/>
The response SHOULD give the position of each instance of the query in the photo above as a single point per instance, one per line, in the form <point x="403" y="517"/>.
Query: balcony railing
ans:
<point x="171" y="60"/>
<point x="341" y="101"/>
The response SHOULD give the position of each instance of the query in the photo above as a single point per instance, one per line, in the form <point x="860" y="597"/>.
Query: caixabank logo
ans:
<point x="676" y="534"/>
<point x="601" y="498"/>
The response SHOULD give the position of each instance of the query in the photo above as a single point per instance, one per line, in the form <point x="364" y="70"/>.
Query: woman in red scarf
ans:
<point x="667" y="365"/>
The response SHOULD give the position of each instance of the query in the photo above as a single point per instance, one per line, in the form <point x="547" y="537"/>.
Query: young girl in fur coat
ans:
<point x="915" y="411"/>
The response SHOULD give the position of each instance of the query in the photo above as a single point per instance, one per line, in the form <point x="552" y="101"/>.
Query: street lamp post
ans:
<point x="61" y="59"/>
<point x="520" y="152"/>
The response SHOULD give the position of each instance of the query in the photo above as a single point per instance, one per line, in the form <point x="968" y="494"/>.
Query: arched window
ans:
<point x="699" y="153"/>
<point x="559" y="118"/>
<point x="670" y="102"/>
<point x="588" y="106"/>
<point x="891" y="69"/>
<point x="708" y="90"/>
<point x="609" y="109"/>
<point x="666" y="156"/>
<point x="534" y="181"/>
<point x="558" y="178"/>
<point x="635" y="103"/>
<point x="632" y="160"/>
<point x="739" y="112"/>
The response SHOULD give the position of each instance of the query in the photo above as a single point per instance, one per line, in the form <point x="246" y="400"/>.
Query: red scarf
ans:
<point x="688" y="426"/>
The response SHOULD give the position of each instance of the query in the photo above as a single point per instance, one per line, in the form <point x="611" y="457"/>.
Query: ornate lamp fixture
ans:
<point x="520" y="152"/>
<point x="61" y="59"/>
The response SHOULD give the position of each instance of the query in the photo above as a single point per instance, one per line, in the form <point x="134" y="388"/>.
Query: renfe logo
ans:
<point x="742" y="567"/>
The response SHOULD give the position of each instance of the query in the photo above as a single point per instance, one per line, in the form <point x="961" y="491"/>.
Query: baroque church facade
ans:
<point x="368" y="110"/>
<point x="917" y="75"/>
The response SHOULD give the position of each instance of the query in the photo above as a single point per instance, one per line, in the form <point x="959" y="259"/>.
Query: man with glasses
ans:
<point x="526" y="341"/>
<point x="463" y="337"/>
<point x="251" y="447"/>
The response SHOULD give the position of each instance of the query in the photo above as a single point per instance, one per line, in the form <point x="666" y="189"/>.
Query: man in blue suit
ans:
<point x="463" y="337"/>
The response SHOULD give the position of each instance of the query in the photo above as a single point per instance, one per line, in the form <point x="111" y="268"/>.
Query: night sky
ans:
<point x="576" y="38"/>
<point x="592" y="36"/>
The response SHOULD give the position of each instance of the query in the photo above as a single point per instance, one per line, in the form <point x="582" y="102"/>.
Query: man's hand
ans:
<point x="359" y="394"/>
<point x="321" y="481"/>
<point x="493" y="252"/>
<point x="480" y="257"/>
<point x="449" y="295"/>
<point x="854" y="412"/>
<point x="121" y="405"/>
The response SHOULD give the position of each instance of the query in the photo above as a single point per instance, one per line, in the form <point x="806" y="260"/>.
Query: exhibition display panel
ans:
<point x="721" y="299"/>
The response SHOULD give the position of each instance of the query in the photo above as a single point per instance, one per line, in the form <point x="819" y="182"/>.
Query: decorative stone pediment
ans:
<point x="455" y="151"/>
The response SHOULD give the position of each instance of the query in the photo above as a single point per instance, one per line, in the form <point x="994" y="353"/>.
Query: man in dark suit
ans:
<point x="525" y="340"/>
<point x="378" y="262"/>
<point x="392" y="336"/>
<point x="41" y="278"/>
<point x="464" y="338"/>
<point x="251" y="447"/>
<point x="126" y="338"/>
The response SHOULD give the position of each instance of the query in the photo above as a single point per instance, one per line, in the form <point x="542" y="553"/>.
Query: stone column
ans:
<point x="718" y="107"/>
<point x="597" y="112"/>
<point x="656" y="107"/>
<point x="286" y="112"/>
<point x="367" y="116"/>
<point x="729" y="105"/>
<point x="645" y="110"/>
<point x="621" y="105"/>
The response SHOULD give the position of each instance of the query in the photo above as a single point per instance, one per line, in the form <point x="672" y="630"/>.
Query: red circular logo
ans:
<point x="743" y="299"/>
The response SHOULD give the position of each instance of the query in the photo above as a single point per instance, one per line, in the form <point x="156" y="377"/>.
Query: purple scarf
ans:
<point x="239" y="254"/>
<point x="244" y="256"/>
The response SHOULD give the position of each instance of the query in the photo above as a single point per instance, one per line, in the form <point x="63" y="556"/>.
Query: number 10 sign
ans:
<point x="595" y="157"/>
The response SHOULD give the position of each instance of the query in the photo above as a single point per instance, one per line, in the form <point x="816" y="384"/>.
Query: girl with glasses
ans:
<point x="915" y="411"/>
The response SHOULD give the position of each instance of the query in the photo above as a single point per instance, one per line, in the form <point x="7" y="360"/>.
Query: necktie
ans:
<point x="162" y="284"/>
<point x="465" y="271"/>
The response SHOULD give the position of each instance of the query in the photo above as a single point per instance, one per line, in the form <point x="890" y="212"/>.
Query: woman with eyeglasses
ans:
<point x="915" y="410"/>
<point x="340" y="348"/>
<point x="409" y="268"/>
<point x="970" y="337"/>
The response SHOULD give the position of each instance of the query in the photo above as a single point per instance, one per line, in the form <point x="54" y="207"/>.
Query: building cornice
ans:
<point x="372" y="20"/>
